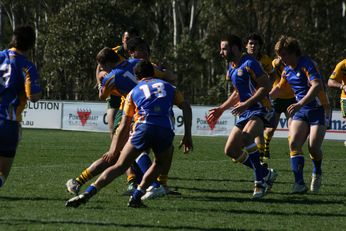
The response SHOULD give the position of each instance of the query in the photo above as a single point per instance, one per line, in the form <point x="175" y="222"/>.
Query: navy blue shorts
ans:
<point x="313" y="116"/>
<point x="266" y="115"/>
<point x="149" y="136"/>
<point x="9" y="137"/>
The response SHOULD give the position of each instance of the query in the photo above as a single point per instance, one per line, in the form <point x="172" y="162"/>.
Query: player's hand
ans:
<point x="293" y="108"/>
<point x="110" y="157"/>
<point x="186" y="143"/>
<point x="239" y="108"/>
<point x="214" y="114"/>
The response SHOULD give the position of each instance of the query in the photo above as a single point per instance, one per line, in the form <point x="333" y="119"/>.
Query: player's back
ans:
<point x="15" y="69"/>
<point x="154" y="100"/>
<point x="121" y="80"/>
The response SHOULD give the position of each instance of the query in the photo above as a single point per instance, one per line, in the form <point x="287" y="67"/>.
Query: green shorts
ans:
<point x="343" y="107"/>
<point x="281" y="105"/>
<point x="117" y="119"/>
<point x="113" y="102"/>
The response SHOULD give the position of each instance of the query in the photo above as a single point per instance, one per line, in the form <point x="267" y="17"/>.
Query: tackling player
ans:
<point x="150" y="103"/>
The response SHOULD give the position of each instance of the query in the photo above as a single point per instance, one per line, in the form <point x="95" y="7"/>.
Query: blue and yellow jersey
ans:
<point x="299" y="79"/>
<point x="243" y="79"/>
<point x="121" y="80"/>
<point x="18" y="81"/>
<point x="286" y="91"/>
<point x="339" y="74"/>
<point x="151" y="102"/>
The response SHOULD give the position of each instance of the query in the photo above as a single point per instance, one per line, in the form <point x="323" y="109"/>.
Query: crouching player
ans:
<point x="150" y="104"/>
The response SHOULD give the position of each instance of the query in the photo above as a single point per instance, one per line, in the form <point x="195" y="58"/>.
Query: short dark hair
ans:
<point x="256" y="37"/>
<point x="144" y="69"/>
<point x="23" y="38"/>
<point x="137" y="43"/>
<point x="233" y="40"/>
<point x="107" y="55"/>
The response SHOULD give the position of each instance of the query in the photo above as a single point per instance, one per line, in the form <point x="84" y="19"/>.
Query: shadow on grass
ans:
<point x="14" y="222"/>
<point x="286" y="213"/>
<point x="29" y="198"/>
<point x="289" y="199"/>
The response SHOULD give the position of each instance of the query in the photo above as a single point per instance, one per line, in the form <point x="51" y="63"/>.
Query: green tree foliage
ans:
<point x="183" y="35"/>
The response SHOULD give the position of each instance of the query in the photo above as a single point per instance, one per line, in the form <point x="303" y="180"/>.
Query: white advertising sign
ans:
<point x="42" y="114"/>
<point x="82" y="116"/>
<point x="200" y="125"/>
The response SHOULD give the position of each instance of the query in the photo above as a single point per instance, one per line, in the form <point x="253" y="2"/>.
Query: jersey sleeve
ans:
<point x="108" y="85"/>
<point x="32" y="84"/>
<point x="283" y="83"/>
<point x="255" y="69"/>
<point x="310" y="70"/>
<point x="129" y="107"/>
<point x="339" y="71"/>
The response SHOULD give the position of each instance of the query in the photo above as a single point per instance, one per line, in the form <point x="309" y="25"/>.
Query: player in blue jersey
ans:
<point x="119" y="84"/>
<point x="310" y="114"/>
<point x="251" y="103"/>
<point x="19" y="82"/>
<point x="119" y="81"/>
<point x="149" y="104"/>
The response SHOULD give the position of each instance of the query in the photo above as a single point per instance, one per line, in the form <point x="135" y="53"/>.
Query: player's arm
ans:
<point x="186" y="141"/>
<point x="33" y="89"/>
<point x="315" y="88"/>
<point x="276" y="91"/>
<point x="215" y="113"/>
<point x="335" y="80"/>
<point x="263" y="89"/>
<point x="122" y="133"/>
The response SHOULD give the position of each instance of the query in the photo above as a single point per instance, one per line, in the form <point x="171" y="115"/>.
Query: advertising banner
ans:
<point x="42" y="114"/>
<point x="200" y="125"/>
<point x="82" y="116"/>
<point x="91" y="116"/>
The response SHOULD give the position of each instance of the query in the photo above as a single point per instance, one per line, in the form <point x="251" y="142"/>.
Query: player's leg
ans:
<point x="316" y="138"/>
<point x="268" y="135"/>
<point x="73" y="185"/>
<point x="126" y="158"/>
<point x="5" y="167"/>
<point x="162" y="162"/>
<point x="9" y="138"/>
<point x="259" y="140"/>
<point x="319" y="119"/>
<point x="251" y="130"/>
<point x="299" y="131"/>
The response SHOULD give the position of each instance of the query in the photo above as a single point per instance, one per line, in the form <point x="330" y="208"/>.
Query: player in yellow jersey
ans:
<point x="280" y="104"/>
<point x="338" y="80"/>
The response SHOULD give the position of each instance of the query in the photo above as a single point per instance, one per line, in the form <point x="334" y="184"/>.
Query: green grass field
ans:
<point x="216" y="194"/>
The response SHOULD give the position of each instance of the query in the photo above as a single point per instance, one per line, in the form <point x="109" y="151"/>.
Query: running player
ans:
<point x="309" y="114"/>
<point x="19" y="82"/>
<point x="251" y="103"/>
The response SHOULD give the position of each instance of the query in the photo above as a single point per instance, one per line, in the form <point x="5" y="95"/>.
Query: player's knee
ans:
<point x="315" y="153"/>
<point x="246" y="138"/>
